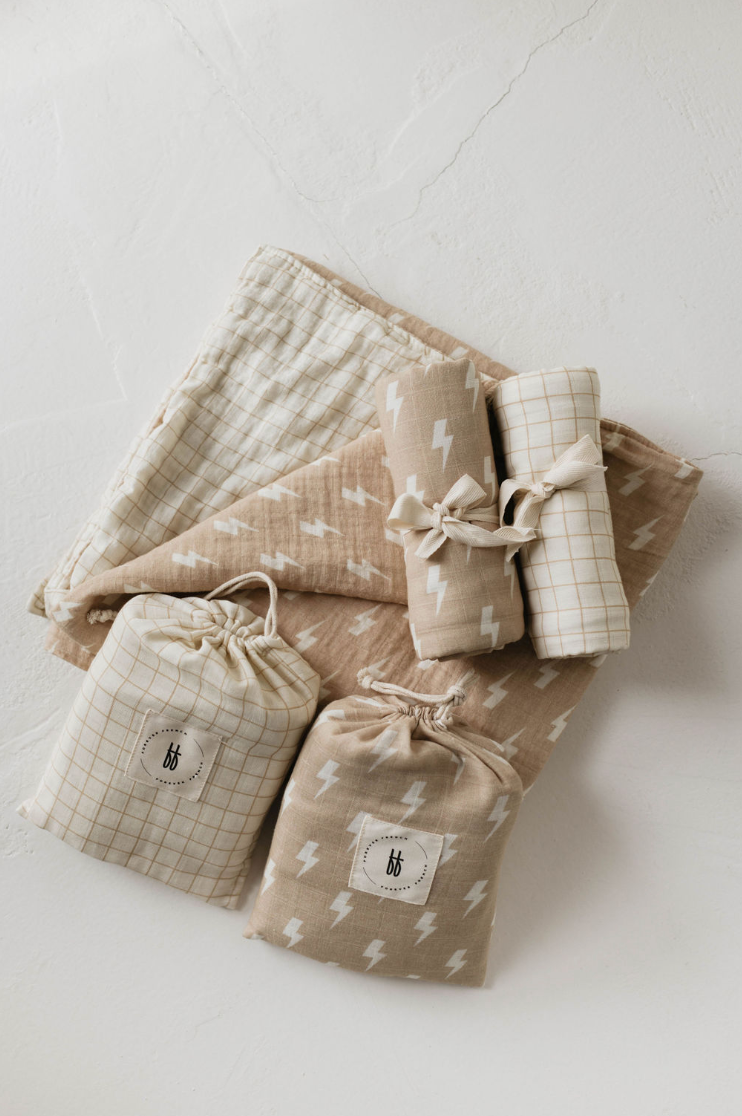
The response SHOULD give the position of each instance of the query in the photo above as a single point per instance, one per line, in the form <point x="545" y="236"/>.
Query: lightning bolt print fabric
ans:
<point x="394" y="870"/>
<point x="461" y="599"/>
<point x="298" y="484"/>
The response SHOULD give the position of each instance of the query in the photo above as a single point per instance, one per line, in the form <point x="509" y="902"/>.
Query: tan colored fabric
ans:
<point x="576" y="600"/>
<point x="391" y="761"/>
<point x="434" y="423"/>
<point x="173" y="678"/>
<point x="294" y="358"/>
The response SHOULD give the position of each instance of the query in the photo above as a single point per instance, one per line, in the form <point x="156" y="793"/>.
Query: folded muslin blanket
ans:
<point x="286" y="378"/>
<point x="549" y="424"/>
<point x="461" y="593"/>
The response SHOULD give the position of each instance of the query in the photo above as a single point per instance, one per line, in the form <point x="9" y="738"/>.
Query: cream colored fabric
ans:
<point x="462" y="597"/>
<point x="549" y="423"/>
<point x="407" y="783"/>
<point x="293" y="359"/>
<point x="196" y="672"/>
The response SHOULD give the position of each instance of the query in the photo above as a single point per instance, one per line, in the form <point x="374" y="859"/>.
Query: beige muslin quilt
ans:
<point x="265" y="456"/>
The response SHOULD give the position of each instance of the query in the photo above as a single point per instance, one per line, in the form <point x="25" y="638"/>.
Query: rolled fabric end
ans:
<point x="549" y="425"/>
<point x="463" y="597"/>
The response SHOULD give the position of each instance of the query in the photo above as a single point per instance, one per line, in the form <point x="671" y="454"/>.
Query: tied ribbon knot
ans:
<point x="579" y="467"/>
<point x="458" y="517"/>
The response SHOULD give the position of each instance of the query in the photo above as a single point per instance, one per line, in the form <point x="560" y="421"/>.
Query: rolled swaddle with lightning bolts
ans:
<point x="549" y="425"/>
<point x="463" y="598"/>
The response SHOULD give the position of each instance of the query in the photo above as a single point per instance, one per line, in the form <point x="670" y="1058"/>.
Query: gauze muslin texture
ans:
<point x="462" y="598"/>
<point x="178" y="742"/>
<point x="575" y="595"/>
<point x="274" y="416"/>
<point x="388" y="846"/>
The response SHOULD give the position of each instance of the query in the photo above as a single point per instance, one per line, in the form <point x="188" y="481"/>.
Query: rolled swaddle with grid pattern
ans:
<point x="549" y="425"/>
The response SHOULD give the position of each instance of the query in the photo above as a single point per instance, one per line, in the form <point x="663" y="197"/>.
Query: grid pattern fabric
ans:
<point x="392" y="761"/>
<point x="434" y="422"/>
<point x="284" y="376"/>
<point x="515" y="698"/>
<point x="575" y="595"/>
<point x="208" y="665"/>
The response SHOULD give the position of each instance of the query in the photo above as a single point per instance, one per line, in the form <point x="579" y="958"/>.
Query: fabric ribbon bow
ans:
<point x="456" y="517"/>
<point x="578" y="467"/>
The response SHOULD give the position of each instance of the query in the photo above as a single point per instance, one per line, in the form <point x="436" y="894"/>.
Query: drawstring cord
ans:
<point x="270" y="629"/>
<point x="242" y="581"/>
<point x="444" y="703"/>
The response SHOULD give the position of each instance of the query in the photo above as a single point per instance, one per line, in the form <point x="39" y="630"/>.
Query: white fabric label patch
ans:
<point x="395" y="862"/>
<point x="172" y="756"/>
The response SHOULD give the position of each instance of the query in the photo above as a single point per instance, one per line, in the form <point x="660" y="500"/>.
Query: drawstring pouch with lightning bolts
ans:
<point x="179" y="740"/>
<point x="388" y="845"/>
<point x="549" y="425"/>
<point x="463" y="597"/>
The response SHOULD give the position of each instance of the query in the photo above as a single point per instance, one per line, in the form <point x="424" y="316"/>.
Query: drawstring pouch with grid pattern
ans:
<point x="179" y="740"/>
<point x="388" y="845"/>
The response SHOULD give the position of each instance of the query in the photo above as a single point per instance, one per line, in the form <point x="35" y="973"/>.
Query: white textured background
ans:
<point x="554" y="182"/>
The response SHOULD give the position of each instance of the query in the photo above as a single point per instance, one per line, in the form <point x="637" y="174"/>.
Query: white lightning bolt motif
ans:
<point x="425" y="926"/>
<point x="644" y="534"/>
<point x="497" y="691"/>
<point x="498" y="815"/>
<point x="435" y="585"/>
<point x="341" y="906"/>
<point x="507" y="745"/>
<point x="383" y="747"/>
<point x="364" y="621"/>
<point x="291" y="930"/>
<point x="487" y="626"/>
<point x="330" y="715"/>
<point x="287" y="800"/>
<point x="360" y="496"/>
<point x="649" y="582"/>
<point x="393" y="401"/>
<point x="412" y="489"/>
<point x="374" y="669"/>
<point x="472" y="383"/>
<point x="474" y="896"/>
<point x="307" y="857"/>
<point x="490" y="477"/>
<point x="448" y="850"/>
<point x="268" y="878"/>
<point x="190" y="559"/>
<point x="355" y="829"/>
<point x="455" y="962"/>
<point x="63" y="612"/>
<point x="318" y="529"/>
<point x="279" y="562"/>
<point x="275" y="491"/>
<point x="323" y="690"/>
<point x="633" y="481"/>
<point x="441" y="440"/>
<point x="373" y="950"/>
<point x="548" y="674"/>
<point x="560" y="724"/>
<point x="685" y="469"/>
<point x="305" y="639"/>
<point x="413" y="799"/>
<point x="612" y="442"/>
<point x="393" y="536"/>
<point x="232" y="526"/>
<point x="364" y="570"/>
<point x="460" y="762"/>
<point x="328" y="774"/>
